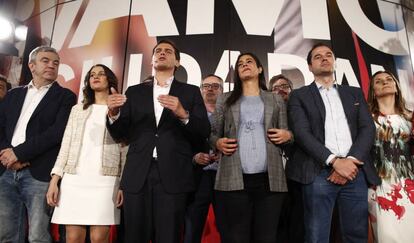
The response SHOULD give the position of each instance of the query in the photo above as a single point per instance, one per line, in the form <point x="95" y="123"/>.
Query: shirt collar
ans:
<point x="321" y="87"/>
<point x="31" y="85"/>
<point x="168" y="82"/>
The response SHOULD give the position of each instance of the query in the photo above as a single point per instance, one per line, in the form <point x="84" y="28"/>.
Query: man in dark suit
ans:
<point x="206" y="168"/>
<point x="161" y="120"/>
<point x="291" y="227"/>
<point x="334" y="133"/>
<point x="32" y="122"/>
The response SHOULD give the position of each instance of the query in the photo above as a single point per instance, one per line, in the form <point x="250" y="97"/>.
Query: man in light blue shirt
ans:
<point x="334" y="133"/>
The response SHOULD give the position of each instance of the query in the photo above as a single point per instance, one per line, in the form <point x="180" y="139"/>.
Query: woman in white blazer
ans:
<point x="89" y="165"/>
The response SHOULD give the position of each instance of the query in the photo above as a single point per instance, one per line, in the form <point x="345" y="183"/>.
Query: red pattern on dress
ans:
<point x="387" y="204"/>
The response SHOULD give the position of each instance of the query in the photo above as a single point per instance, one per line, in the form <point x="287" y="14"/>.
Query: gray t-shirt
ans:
<point x="251" y="137"/>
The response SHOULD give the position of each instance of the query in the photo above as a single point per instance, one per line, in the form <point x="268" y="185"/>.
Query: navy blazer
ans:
<point x="44" y="130"/>
<point x="175" y="141"/>
<point x="307" y="120"/>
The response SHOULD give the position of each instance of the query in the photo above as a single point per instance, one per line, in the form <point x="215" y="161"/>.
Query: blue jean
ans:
<point x="19" y="192"/>
<point x="319" y="199"/>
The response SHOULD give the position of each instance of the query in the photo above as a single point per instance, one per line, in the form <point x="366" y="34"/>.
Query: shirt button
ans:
<point x="156" y="135"/>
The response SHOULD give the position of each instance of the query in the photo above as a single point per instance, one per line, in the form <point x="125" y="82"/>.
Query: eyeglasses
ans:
<point x="211" y="86"/>
<point x="279" y="87"/>
<point x="101" y="74"/>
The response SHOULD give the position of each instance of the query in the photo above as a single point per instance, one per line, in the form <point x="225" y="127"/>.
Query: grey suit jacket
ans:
<point x="225" y="123"/>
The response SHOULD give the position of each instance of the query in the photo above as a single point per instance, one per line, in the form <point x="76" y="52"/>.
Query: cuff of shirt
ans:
<point x="186" y="120"/>
<point x="114" y="118"/>
<point x="329" y="159"/>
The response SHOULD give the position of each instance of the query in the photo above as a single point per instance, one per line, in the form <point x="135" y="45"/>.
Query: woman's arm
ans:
<point x="52" y="195"/>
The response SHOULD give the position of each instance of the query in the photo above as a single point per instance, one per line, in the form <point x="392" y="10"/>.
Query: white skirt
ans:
<point x="88" y="197"/>
<point x="87" y="203"/>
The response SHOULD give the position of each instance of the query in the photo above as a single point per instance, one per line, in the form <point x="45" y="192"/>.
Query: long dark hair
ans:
<point x="399" y="99"/>
<point x="89" y="94"/>
<point x="238" y="88"/>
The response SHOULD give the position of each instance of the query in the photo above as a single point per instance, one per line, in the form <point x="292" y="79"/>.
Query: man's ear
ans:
<point x="31" y="66"/>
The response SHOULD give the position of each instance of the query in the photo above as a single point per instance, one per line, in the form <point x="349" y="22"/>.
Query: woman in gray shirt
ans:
<point x="248" y="127"/>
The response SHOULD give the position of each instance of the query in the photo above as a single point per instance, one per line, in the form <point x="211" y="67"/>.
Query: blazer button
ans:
<point x="156" y="135"/>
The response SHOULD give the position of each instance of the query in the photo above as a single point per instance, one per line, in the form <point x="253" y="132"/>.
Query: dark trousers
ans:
<point x="291" y="225"/>
<point x="250" y="215"/>
<point x="154" y="214"/>
<point x="319" y="199"/>
<point x="197" y="211"/>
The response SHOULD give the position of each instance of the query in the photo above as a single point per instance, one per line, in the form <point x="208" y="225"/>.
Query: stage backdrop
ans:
<point x="366" y="36"/>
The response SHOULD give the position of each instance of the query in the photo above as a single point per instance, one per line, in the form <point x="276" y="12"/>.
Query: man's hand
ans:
<point x="115" y="102"/>
<point x="202" y="158"/>
<point x="173" y="103"/>
<point x="227" y="145"/>
<point x="214" y="157"/>
<point x="347" y="167"/>
<point x="7" y="157"/>
<point x="336" y="178"/>
<point x="278" y="136"/>
<point x="19" y="165"/>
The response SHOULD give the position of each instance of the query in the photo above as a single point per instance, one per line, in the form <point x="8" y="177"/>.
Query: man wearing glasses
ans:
<point x="281" y="85"/>
<point x="211" y="87"/>
<point x="291" y="228"/>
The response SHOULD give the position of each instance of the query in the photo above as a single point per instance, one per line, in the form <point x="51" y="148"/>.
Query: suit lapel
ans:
<point x="48" y="98"/>
<point x="148" y="98"/>
<point x="268" y="109"/>
<point x="318" y="100"/>
<point x="175" y="87"/>
<point x="235" y="109"/>
<point x="19" y="105"/>
<point x="347" y="103"/>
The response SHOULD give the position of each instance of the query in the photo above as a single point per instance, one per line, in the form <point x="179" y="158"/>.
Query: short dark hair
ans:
<point x="169" y="42"/>
<point x="319" y="44"/>
<point x="273" y="80"/>
<point x="212" y="75"/>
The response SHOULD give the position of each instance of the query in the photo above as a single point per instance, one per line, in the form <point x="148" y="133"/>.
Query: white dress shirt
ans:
<point x="158" y="109"/>
<point x="31" y="101"/>
<point x="338" y="137"/>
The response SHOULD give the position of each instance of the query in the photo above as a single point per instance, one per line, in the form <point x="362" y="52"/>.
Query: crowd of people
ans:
<point x="273" y="161"/>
